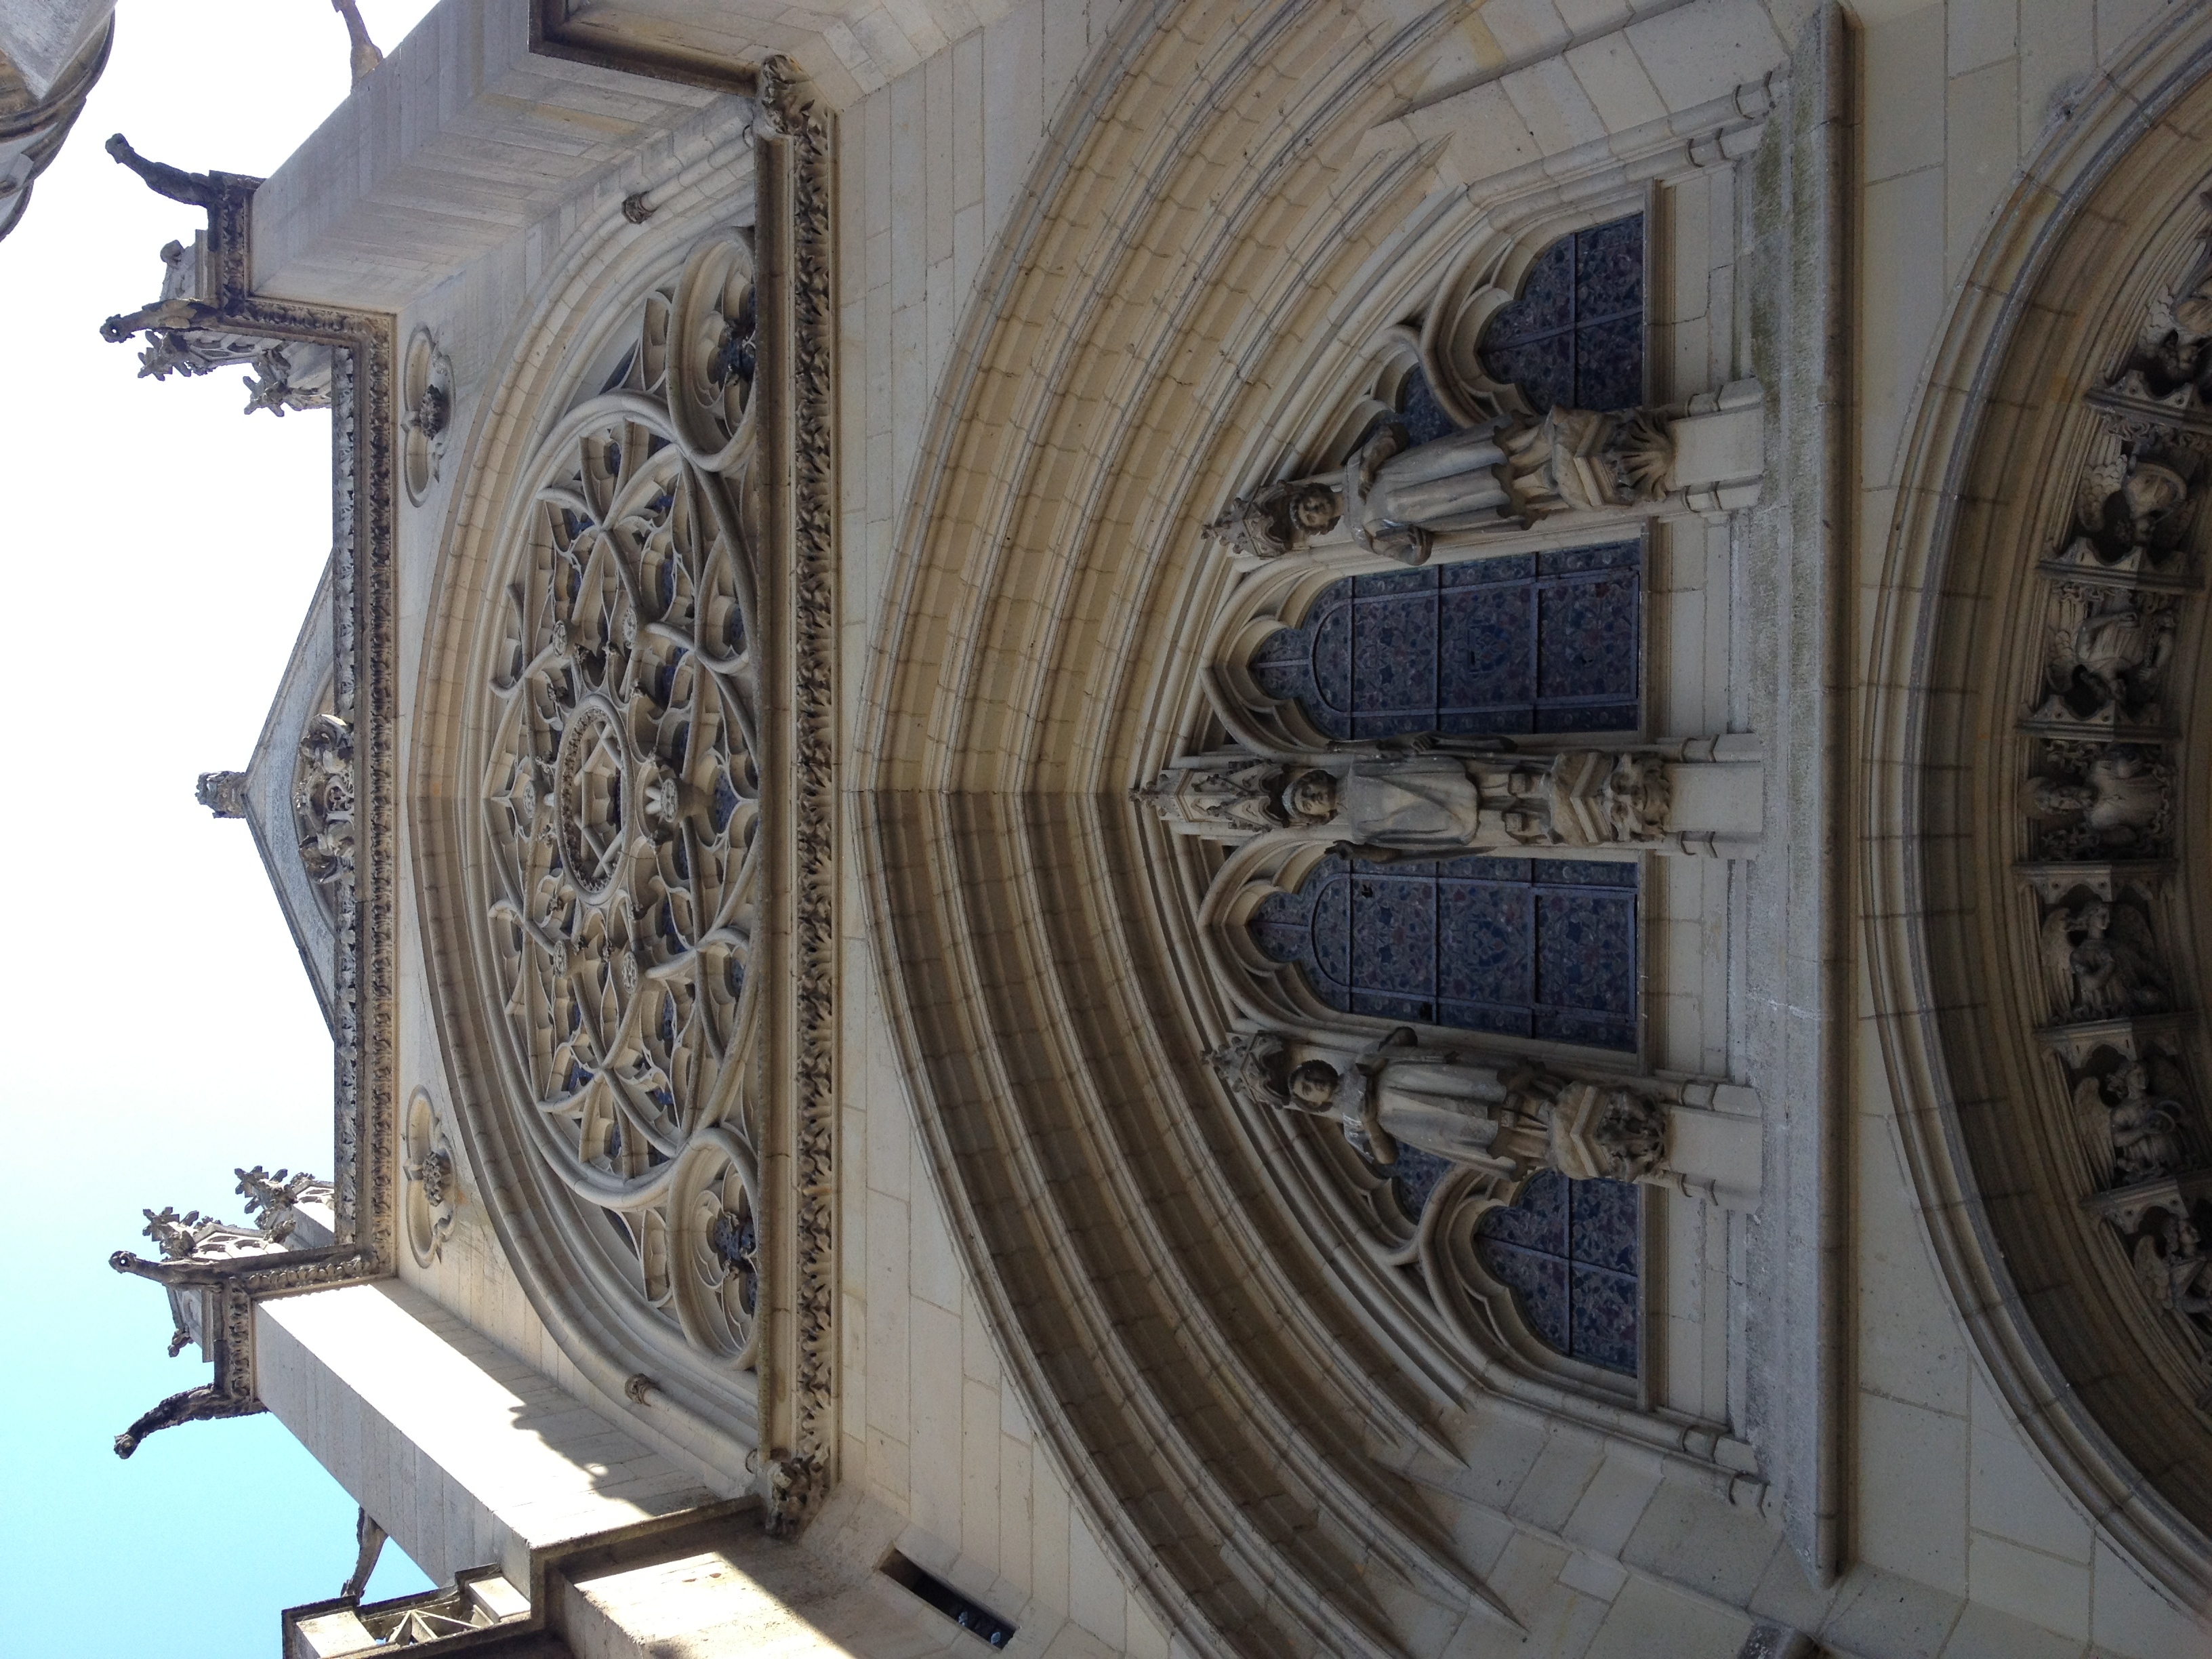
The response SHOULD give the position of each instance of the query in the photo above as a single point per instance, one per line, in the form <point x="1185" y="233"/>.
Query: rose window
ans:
<point x="621" y="797"/>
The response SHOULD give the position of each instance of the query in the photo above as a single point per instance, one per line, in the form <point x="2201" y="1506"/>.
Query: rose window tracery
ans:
<point x="621" y="798"/>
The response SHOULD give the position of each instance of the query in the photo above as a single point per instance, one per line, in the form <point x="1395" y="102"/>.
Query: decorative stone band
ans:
<point x="312" y="1233"/>
<point x="1448" y="798"/>
<point x="1395" y="498"/>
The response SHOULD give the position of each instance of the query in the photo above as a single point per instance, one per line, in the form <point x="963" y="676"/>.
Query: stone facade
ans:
<point x="1142" y="829"/>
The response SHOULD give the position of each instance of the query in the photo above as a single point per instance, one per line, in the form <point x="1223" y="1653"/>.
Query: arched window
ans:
<point x="1570" y="1253"/>
<point x="1575" y="335"/>
<point x="1532" y="642"/>
<point x="1529" y="947"/>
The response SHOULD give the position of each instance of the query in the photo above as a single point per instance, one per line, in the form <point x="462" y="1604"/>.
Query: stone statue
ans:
<point x="1508" y="1118"/>
<point x="2133" y="1137"/>
<point x="1280" y="517"/>
<point x="2170" y="1265"/>
<point x="2110" y="801"/>
<point x="1441" y="806"/>
<point x="2099" y="962"/>
<point x="2127" y="504"/>
<point x="1396" y="497"/>
<point x="1416" y="800"/>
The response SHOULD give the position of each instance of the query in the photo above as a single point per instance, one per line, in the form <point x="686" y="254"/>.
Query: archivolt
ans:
<point x="2101" y="217"/>
<point x="1202" y="265"/>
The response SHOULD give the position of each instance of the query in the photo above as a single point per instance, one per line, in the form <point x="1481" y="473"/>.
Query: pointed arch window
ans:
<point x="1571" y="1252"/>
<point x="1575" y="336"/>
<point x="1531" y="642"/>
<point x="1527" y="947"/>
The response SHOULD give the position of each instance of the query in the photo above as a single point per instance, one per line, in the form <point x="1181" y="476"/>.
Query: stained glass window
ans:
<point x="1527" y="947"/>
<point x="1570" y="1250"/>
<point x="1532" y="642"/>
<point x="1575" y="336"/>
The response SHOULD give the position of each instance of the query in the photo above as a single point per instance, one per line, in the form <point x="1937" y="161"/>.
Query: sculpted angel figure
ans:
<point x="2108" y="651"/>
<point x="2171" y="1266"/>
<point x="2118" y="804"/>
<point x="2127" y="503"/>
<point x="2133" y="1138"/>
<point x="2099" y="962"/>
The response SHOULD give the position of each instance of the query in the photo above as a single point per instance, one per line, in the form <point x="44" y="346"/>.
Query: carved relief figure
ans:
<point x="1382" y="807"/>
<point x="2129" y="1133"/>
<point x="2131" y="509"/>
<point x="322" y="797"/>
<point x="1280" y="517"/>
<point x="2108" y="652"/>
<point x="2100" y="800"/>
<point x="1396" y="496"/>
<point x="2099" y="962"/>
<point x="1510" y="1120"/>
<point x="2171" y="1266"/>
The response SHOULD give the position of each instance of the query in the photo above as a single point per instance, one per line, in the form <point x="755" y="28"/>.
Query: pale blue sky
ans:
<point x="160" y="551"/>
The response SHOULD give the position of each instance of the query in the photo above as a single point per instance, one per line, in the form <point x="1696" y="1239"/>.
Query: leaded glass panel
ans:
<point x="1525" y="947"/>
<point x="1575" y="336"/>
<point x="1571" y="1251"/>
<point x="1532" y="642"/>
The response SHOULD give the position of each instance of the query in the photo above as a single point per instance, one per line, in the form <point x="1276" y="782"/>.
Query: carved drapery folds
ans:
<point x="621" y="797"/>
<point x="1394" y="497"/>
<point x="1381" y="806"/>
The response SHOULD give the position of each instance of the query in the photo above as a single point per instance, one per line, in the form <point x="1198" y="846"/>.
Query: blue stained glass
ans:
<point x="1531" y="642"/>
<point x="1570" y="1251"/>
<point x="1575" y="336"/>
<point x="1529" y="947"/>
<point x="1423" y="415"/>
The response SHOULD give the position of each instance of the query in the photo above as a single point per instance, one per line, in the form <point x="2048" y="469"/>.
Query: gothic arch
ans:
<point x="1196" y="1359"/>
<point x="2024" y="401"/>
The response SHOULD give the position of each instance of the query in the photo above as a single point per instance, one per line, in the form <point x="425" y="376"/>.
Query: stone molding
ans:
<point x="361" y="348"/>
<point x="1194" y="1362"/>
<point x="1988" y="1084"/>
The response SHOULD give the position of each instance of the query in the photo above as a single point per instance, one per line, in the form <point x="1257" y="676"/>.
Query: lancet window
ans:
<point x="1545" y="641"/>
<point x="1571" y="1253"/>
<point x="1575" y="336"/>
<point x="1526" y="947"/>
<point x="1439" y="800"/>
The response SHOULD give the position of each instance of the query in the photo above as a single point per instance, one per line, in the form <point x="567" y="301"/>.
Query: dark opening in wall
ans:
<point x="971" y="1616"/>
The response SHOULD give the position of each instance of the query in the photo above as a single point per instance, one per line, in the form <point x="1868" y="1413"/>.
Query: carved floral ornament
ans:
<point x="621" y="797"/>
